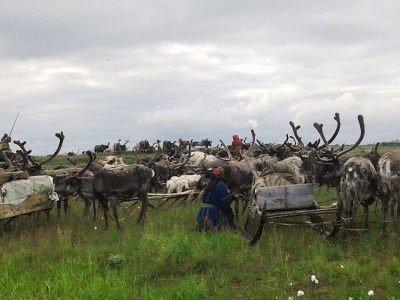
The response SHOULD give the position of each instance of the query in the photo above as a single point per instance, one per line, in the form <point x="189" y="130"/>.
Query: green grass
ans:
<point x="75" y="258"/>
<point x="70" y="161"/>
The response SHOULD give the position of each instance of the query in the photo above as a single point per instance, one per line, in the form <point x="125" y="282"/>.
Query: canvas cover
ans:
<point x="278" y="179"/>
<point x="275" y="178"/>
<point x="17" y="191"/>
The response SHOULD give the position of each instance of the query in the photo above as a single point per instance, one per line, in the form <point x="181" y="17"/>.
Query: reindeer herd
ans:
<point x="359" y="180"/>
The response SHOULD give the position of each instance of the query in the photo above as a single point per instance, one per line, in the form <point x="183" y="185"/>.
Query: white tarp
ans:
<point x="17" y="191"/>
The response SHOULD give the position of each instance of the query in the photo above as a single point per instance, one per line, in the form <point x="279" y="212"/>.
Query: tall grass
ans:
<point x="75" y="258"/>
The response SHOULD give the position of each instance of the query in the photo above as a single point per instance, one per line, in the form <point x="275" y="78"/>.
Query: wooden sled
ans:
<point x="286" y="201"/>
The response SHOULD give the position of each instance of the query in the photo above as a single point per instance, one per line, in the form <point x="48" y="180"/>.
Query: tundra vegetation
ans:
<point x="75" y="258"/>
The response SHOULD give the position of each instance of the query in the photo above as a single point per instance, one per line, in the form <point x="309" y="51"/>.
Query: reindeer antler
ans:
<point x="295" y="129"/>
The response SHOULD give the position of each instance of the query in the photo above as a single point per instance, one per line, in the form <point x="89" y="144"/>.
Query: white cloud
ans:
<point x="253" y="123"/>
<point x="156" y="70"/>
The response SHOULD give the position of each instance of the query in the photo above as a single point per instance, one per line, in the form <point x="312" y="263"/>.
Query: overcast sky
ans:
<point x="106" y="70"/>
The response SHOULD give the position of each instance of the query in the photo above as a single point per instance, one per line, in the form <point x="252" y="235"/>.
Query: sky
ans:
<point x="100" y="70"/>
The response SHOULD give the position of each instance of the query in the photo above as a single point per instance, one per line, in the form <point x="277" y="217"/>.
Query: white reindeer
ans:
<point x="177" y="183"/>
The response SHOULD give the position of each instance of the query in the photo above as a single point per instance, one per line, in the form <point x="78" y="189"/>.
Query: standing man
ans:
<point x="5" y="142"/>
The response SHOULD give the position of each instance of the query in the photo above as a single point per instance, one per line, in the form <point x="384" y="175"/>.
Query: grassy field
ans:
<point x="75" y="258"/>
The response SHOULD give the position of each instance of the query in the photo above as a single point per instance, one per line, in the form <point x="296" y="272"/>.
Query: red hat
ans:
<point x="219" y="173"/>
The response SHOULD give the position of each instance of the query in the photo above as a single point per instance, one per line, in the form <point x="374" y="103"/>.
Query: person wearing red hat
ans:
<point x="236" y="146"/>
<point x="216" y="212"/>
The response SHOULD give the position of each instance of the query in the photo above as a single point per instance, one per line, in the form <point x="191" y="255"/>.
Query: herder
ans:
<point x="216" y="212"/>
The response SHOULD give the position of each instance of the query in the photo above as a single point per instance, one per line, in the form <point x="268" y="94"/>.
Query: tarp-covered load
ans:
<point x="22" y="196"/>
<point x="9" y="176"/>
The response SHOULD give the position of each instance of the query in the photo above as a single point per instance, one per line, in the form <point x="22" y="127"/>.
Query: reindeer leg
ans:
<point x="391" y="217"/>
<point x="384" y="215"/>
<point x="366" y="216"/>
<point x="237" y="208"/>
<point x="145" y="205"/>
<point x="66" y="205"/>
<point x="104" y="204"/>
<point x="94" y="209"/>
<point x="398" y="210"/>
<point x="114" y="207"/>
<point x="354" y="213"/>
<point x="59" y="208"/>
<point x="88" y="204"/>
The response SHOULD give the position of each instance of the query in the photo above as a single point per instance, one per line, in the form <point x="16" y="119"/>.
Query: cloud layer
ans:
<point x="100" y="71"/>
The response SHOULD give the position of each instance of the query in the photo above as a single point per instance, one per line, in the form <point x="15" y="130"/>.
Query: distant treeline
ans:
<point x="394" y="143"/>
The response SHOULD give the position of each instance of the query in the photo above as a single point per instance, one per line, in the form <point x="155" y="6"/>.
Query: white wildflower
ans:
<point x="370" y="293"/>
<point x="350" y="298"/>
<point x="300" y="293"/>
<point x="292" y="283"/>
<point x="313" y="278"/>
<point x="316" y="281"/>
<point x="95" y="227"/>
<point x="341" y="266"/>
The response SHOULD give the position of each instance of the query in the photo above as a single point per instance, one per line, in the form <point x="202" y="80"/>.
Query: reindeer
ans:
<point x="389" y="186"/>
<point x="164" y="166"/>
<point x="281" y="152"/>
<point x="29" y="164"/>
<point x="112" y="185"/>
<point x="101" y="148"/>
<point x="117" y="147"/>
<point x="355" y="180"/>
<point x="124" y="148"/>
<point x="309" y="151"/>
<point x="63" y="179"/>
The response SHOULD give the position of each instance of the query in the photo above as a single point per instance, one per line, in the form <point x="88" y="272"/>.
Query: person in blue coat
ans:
<point x="216" y="212"/>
